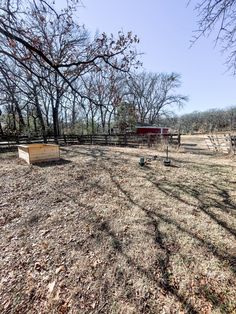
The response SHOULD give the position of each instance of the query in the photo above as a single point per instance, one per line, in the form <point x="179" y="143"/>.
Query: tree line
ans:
<point x="55" y="78"/>
<point x="209" y="121"/>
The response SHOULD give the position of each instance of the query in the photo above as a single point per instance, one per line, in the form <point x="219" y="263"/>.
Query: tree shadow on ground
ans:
<point x="176" y="191"/>
<point x="53" y="163"/>
<point x="205" y="201"/>
<point x="198" y="151"/>
<point x="101" y="227"/>
<point x="156" y="217"/>
<point x="202" y="163"/>
<point x="95" y="152"/>
<point x="8" y="149"/>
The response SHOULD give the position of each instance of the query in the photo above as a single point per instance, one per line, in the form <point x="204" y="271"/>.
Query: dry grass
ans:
<point x="97" y="233"/>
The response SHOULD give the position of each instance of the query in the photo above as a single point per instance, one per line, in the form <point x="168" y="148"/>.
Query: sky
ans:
<point x="165" y="29"/>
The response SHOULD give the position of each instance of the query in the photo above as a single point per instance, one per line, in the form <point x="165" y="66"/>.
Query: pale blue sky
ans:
<point x="165" y="28"/>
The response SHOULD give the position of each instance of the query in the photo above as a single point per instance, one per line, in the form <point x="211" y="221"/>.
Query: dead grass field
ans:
<point x="97" y="233"/>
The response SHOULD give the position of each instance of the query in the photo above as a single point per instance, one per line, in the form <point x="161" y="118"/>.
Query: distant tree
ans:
<point x="189" y="123"/>
<point x="209" y="121"/>
<point x="171" y="120"/>
<point x="154" y="94"/>
<point x="230" y="117"/>
<point x="125" y="116"/>
<point x="219" y="15"/>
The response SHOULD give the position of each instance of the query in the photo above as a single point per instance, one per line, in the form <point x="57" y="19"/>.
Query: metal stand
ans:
<point x="167" y="161"/>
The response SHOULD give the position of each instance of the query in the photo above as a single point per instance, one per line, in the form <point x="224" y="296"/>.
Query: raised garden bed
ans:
<point x="34" y="153"/>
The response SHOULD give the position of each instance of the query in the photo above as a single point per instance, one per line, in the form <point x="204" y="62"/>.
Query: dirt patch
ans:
<point x="97" y="233"/>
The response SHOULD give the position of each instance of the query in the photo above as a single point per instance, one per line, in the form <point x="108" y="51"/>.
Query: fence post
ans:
<point x="157" y="138"/>
<point x="234" y="144"/>
<point x="179" y="139"/>
<point x="27" y="139"/>
<point x="64" y="137"/>
<point x="45" y="140"/>
<point x="125" y="139"/>
<point x="149" y="140"/>
<point x="17" y="139"/>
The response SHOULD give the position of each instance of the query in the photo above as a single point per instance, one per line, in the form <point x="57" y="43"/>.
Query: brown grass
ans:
<point x="97" y="233"/>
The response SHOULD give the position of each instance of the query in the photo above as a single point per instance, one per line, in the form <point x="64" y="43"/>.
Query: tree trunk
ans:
<point x="73" y="114"/>
<point x="109" y="121"/>
<point x="21" y="119"/>
<point x="66" y="120"/>
<point x="35" y="124"/>
<point x="14" y="120"/>
<point x="55" y="124"/>
<point x="28" y="117"/>
<point x="92" y="121"/>
<point x="1" y="129"/>
<point x="87" y="124"/>
<point x="40" y="116"/>
<point x="103" y="119"/>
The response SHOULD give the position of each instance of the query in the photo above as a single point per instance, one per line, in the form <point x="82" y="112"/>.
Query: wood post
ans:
<point x="179" y="139"/>
<point x="125" y="139"/>
<point x="64" y="137"/>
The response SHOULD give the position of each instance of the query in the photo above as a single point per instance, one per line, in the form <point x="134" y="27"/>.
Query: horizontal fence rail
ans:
<point x="131" y="140"/>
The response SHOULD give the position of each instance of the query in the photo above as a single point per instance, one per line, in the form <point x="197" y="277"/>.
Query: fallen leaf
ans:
<point x="51" y="286"/>
<point x="59" y="269"/>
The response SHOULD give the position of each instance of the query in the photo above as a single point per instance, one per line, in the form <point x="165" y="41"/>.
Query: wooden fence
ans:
<point x="131" y="140"/>
<point x="223" y="143"/>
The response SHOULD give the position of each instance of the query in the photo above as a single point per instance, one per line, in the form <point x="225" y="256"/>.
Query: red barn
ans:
<point x="141" y="130"/>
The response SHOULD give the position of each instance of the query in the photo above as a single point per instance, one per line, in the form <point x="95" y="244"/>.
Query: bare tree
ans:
<point x="54" y="53"/>
<point x="12" y="96"/>
<point x="154" y="94"/>
<point x="107" y="91"/>
<point x="219" y="15"/>
<point x="34" y="30"/>
<point x="209" y="121"/>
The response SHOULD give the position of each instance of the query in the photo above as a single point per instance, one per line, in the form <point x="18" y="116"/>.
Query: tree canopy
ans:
<point x="220" y="16"/>
<point x="56" y="78"/>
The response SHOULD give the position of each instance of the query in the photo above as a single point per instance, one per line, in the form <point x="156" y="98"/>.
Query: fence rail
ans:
<point x="225" y="143"/>
<point x="131" y="140"/>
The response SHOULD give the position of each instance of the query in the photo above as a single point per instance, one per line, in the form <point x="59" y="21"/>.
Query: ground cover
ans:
<point x="97" y="233"/>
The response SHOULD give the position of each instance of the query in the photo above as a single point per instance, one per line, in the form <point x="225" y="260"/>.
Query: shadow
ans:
<point x="101" y="225"/>
<point x="201" y="165"/>
<point x="205" y="202"/>
<point x="8" y="149"/>
<point x="171" y="166"/>
<point x="163" y="262"/>
<point x="145" y="167"/>
<point x="95" y="152"/>
<point x="198" y="151"/>
<point x="166" y="248"/>
<point x="98" y="238"/>
<point x="188" y="145"/>
<point x="52" y="163"/>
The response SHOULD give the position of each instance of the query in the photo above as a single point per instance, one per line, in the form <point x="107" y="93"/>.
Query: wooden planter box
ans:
<point x="34" y="153"/>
